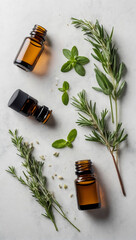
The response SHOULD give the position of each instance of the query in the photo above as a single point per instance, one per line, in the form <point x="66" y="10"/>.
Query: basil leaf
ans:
<point x="65" y="98"/>
<point x="66" y="67"/>
<point x="72" y="135"/>
<point x="65" y="85"/>
<point x="82" y="60"/>
<point x="79" y="69"/>
<point x="61" y="89"/>
<point x="67" y="53"/>
<point x="61" y="143"/>
<point x="74" y="52"/>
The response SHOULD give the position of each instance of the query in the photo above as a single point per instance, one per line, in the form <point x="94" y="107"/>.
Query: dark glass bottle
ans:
<point x="31" y="49"/>
<point x="86" y="186"/>
<point x="28" y="106"/>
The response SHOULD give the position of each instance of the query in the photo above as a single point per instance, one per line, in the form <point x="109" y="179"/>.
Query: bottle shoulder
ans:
<point x="33" y="41"/>
<point x="85" y="178"/>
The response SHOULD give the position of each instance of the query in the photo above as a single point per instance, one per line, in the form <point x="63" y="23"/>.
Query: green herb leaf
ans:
<point x="121" y="89"/>
<point x="82" y="60"/>
<point x="95" y="57"/>
<point x="121" y="69"/>
<point x="105" y="80"/>
<point x="74" y="61"/>
<point x="65" y="85"/>
<point x="74" y="52"/>
<point x="67" y="53"/>
<point x="61" y="143"/>
<point x="97" y="89"/>
<point x="61" y="89"/>
<point x="72" y="135"/>
<point x="98" y="54"/>
<point x="66" y="67"/>
<point x="65" y="98"/>
<point x="79" y="69"/>
<point x="100" y="82"/>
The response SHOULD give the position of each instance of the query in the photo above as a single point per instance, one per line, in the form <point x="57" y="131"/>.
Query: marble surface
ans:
<point x="20" y="215"/>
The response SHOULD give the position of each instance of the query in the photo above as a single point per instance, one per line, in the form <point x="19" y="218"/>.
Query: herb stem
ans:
<point x="118" y="173"/>
<point x="111" y="152"/>
<point x="111" y="109"/>
<point x="64" y="216"/>
<point x="53" y="221"/>
<point x="116" y="110"/>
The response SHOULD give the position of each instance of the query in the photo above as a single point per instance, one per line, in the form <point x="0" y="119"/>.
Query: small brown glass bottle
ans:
<point x="28" y="106"/>
<point x="86" y="186"/>
<point x="31" y="49"/>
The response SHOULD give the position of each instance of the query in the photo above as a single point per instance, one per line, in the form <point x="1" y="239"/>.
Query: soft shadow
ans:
<point x="51" y="122"/>
<point x="104" y="211"/>
<point x="42" y="66"/>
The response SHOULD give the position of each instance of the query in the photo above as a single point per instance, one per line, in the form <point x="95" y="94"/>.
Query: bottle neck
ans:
<point x="84" y="167"/>
<point x="38" y="34"/>
<point x="41" y="113"/>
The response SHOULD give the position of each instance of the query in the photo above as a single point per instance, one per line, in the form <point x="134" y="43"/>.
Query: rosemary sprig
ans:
<point x="106" y="53"/>
<point x="35" y="180"/>
<point x="99" y="127"/>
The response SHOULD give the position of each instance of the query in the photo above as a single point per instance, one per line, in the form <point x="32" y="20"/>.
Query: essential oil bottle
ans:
<point x="31" y="49"/>
<point x="86" y="186"/>
<point x="28" y="106"/>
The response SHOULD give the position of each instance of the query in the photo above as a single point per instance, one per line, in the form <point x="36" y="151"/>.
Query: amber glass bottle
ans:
<point x="31" y="49"/>
<point x="28" y="106"/>
<point x="86" y="186"/>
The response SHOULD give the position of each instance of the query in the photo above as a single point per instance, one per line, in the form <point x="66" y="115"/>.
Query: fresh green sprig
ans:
<point x="104" y="51"/>
<point x="35" y="180"/>
<point x="74" y="61"/>
<point x="64" y="89"/>
<point x="61" y="143"/>
<point x="99" y="127"/>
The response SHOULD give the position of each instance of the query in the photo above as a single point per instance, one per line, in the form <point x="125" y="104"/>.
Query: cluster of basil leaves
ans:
<point x="74" y="61"/>
<point x="61" y="143"/>
<point x="64" y="89"/>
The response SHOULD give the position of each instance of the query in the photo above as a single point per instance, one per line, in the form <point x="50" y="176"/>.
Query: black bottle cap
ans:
<point x="17" y="100"/>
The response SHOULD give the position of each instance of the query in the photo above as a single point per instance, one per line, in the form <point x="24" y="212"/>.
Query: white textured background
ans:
<point x="20" y="215"/>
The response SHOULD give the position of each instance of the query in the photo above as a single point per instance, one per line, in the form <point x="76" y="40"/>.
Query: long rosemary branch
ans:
<point x="35" y="180"/>
<point x="99" y="128"/>
<point x="106" y="53"/>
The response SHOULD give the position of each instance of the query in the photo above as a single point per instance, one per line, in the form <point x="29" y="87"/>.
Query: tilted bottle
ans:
<point x="31" y="49"/>
<point x="28" y="106"/>
<point x="86" y="186"/>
